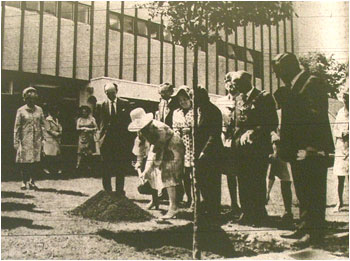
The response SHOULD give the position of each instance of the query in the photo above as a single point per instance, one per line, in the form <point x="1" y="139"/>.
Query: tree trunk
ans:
<point x="196" y="254"/>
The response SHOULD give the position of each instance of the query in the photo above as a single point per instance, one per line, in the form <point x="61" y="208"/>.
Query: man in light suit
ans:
<point x="255" y="118"/>
<point x="306" y="141"/>
<point x="115" y="140"/>
<point x="227" y="105"/>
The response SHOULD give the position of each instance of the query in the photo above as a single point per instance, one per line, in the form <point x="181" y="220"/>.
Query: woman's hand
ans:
<point x="186" y="130"/>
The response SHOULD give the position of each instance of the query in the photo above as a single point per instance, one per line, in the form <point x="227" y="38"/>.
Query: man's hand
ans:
<point x="308" y="152"/>
<point x="274" y="137"/>
<point x="246" y="138"/>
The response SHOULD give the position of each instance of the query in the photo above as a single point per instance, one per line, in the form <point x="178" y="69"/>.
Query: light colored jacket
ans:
<point x="52" y="139"/>
<point x="28" y="134"/>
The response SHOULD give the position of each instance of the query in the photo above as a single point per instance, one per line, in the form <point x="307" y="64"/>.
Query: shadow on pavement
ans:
<point x="14" y="206"/>
<point x="13" y="194"/>
<point x="63" y="192"/>
<point x="213" y="240"/>
<point x="12" y="223"/>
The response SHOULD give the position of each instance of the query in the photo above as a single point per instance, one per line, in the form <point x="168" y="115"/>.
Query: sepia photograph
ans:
<point x="174" y="130"/>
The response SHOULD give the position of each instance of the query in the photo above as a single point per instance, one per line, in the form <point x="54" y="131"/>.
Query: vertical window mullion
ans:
<point x="58" y="43"/>
<point x="262" y="57"/>
<point x="149" y="52"/>
<point x="121" y="41"/>
<point x="75" y="39"/>
<point x="270" y="58"/>
<point x="2" y="29"/>
<point x="21" y="37"/>
<point x="40" y="47"/>
<point x="236" y="42"/>
<point x="278" y="48"/>
<point x="185" y="64"/>
<point x="135" y="44"/>
<point x="245" y="46"/>
<point x="91" y="53"/>
<point x="206" y="56"/>
<point x="161" y="49"/>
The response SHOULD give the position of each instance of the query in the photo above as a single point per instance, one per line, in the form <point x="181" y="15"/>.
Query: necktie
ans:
<point x="244" y="97"/>
<point x="112" y="109"/>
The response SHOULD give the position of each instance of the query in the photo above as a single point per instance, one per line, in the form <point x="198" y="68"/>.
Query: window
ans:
<point x="220" y="48"/>
<point x="32" y="5"/>
<point x="16" y="4"/>
<point x="50" y="7"/>
<point x="153" y="30"/>
<point x="128" y="24"/>
<point x="67" y="10"/>
<point x="142" y="28"/>
<point x="83" y="13"/>
<point x="114" y="21"/>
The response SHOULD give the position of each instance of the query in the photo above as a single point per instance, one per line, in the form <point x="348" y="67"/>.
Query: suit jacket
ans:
<point x="114" y="134"/>
<point x="257" y="115"/>
<point x="208" y="136"/>
<point x="305" y="121"/>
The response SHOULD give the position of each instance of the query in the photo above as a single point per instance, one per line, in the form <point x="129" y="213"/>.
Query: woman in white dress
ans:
<point x="341" y="134"/>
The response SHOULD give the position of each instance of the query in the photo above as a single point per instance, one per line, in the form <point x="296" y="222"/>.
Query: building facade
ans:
<point x="59" y="47"/>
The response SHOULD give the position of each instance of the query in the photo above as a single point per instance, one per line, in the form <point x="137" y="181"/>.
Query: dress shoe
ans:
<point x="298" y="234"/>
<point x="33" y="186"/>
<point x="171" y="214"/>
<point x="244" y="220"/>
<point x="287" y="219"/>
<point x="152" y="205"/>
<point x="305" y="241"/>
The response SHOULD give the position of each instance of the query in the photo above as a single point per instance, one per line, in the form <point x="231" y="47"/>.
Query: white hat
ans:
<point x="139" y="119"/>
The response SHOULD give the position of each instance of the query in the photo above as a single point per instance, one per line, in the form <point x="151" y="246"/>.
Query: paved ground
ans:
<point x="36" y="225"/>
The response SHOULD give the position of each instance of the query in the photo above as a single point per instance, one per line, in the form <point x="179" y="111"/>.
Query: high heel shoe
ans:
<point x="152" y="205"/>
<point x="171" y="214"/>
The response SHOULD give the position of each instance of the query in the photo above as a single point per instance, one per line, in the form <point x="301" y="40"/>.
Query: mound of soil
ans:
<point x="107" y="206"/>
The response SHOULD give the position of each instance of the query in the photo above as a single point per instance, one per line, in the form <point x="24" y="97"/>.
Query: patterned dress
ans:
<point x="86" y="144"/>
<point x="28" y="134"/>
<point x="182" y="121"/>
<point x="164" y="166"/>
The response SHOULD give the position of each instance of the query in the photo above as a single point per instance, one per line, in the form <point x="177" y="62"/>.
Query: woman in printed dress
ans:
<point x="341" y="134"/>
<point x="165" y="158"/>
<point x="28" y="137"/>
<point x="183" y="125"/>
<point x="87" y="127"/>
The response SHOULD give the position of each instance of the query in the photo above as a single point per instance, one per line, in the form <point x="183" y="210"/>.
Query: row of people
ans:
<point x="247" y="126"/>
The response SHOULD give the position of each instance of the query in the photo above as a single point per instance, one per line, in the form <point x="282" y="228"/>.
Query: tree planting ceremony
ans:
<point x="174" y="130"/>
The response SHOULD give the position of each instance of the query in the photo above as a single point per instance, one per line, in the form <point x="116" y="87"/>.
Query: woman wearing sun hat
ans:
<point x="28" y="137"/>
<point x="165" y="159"/>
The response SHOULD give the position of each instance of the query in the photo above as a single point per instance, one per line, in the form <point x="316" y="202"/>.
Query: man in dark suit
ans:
<point x="306" y="141"/>
<point x="208" y="151"/>
<point x="115" y="140"/>
<point x="255" y="118"/>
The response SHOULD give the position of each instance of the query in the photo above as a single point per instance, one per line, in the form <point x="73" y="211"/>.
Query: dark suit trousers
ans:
<point x="252" y="186"/>
<point x="113" y="165"/>
<point x="209" y="184"/>
<point x="310" y="181"/>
